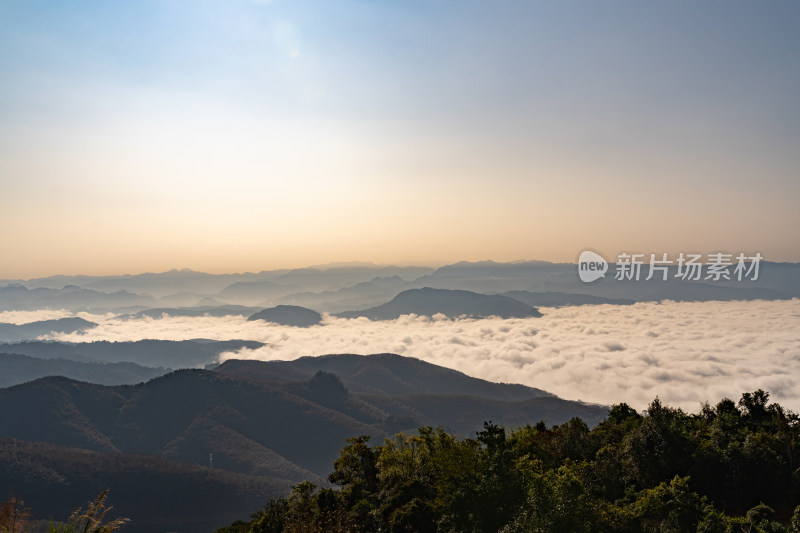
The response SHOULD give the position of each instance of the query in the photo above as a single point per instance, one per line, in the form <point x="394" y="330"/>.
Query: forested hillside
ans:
<point x="730" y="468"/>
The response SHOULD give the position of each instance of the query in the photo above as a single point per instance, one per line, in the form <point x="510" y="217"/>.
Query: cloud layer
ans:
<point x="24" y="317"/>
<point x="685" y="353"/>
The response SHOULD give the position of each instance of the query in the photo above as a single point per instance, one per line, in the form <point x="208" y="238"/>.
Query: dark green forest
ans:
<point x="732" y="467"/>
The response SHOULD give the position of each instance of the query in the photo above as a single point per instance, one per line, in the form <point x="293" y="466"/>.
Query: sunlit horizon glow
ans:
<point x="247" y="136"/>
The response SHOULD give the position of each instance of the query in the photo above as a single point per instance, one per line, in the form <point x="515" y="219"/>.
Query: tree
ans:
<point x="670" y="507"/>
<point x="663" y="471"/>
<point x="557" y="503"/>
<point x="14" y="517"/>
<point x="500" y="492"/>
<point x="794" y="525"/>
<point x="657" y="449"/>
<point x="355" y="471"/>
<point x="272" y="517"/>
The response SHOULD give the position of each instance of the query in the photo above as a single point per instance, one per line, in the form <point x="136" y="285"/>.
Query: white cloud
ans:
<point x="25" y="317"/>
<point x="685" y="353"/>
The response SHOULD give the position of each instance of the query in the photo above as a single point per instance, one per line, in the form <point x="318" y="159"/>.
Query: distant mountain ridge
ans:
<point x="559" y="299"/>
<point x="288" y="315"/>
<point x="359" y="296"/>
<point x="270" y="422"/>
<point x="254" y="292"/>
<point x="161" y="284"/>
<point x="265" y="426"/>
<point x="148" y="353"/>
<point x="451" y="303"/>
<point x="200" y="310"/>
<point x="17" y="297"/>
<point x="16" y="369"/>
<point x="342" y="288"/>
<point x="777" y="281"/>
<point x="386" y="373"/>
<point x="32" y="330"/>
<point x="55" y="480"/>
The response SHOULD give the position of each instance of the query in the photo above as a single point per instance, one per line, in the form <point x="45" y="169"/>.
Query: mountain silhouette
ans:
<point x="340" y="288"/>
<point x="253" y="292"/>
<point x="148" y="353"/>
<point x="55" y="480"/>
<point x="16" y="369"/>
<point x="451" y="303"/>
<point x="267" y="424"/>
<point x="71" y="297"/>
<point x="32" y="330"/>
<point x="288" y="315"/>
<point x="200" y="310"/>
<point x="359" y="296"/>
<point x="559" y="299"/>
<point x="387" y="373"/>
<point x="270" y="423"/>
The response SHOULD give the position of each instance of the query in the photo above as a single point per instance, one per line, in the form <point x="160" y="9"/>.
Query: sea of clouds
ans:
<point x="685" y="353"/>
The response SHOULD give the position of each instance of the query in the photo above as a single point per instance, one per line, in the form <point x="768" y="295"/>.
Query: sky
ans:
<point x="685" y="353"/>
<point x="242" y="135"/>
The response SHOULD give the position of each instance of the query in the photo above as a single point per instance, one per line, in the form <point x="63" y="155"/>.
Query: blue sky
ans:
<point x="229" y="136"/>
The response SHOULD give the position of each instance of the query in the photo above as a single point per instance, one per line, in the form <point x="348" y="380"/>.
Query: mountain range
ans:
<point x="55" y="480"/>
<point x="184" y="415"/>
<point x="147" y="353"/>
<point x="200" y="310"/>
<point x="342" y="288"/>
<point x="33" y="330"/>
<point x="450" y="303"/>
<point x="16" y="297"/>
<point x="269" y="423"/>
<point x="16" y="369"/>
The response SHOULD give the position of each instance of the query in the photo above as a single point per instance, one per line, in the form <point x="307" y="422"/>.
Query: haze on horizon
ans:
<point x="254" y="135"/>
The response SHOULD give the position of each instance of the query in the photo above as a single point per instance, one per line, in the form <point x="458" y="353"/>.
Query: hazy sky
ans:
<point x="249" y="135"/>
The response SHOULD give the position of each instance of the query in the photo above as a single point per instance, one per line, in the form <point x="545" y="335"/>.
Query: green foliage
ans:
<point x="236" y="527"/>
<point x="306" y="510"/>
<point x="557" y="502"/>
<point x="730" y="468"/>
<point x="272" y="518"/>
<point x="794" y="525"/>
<point x="669" y="507"/>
